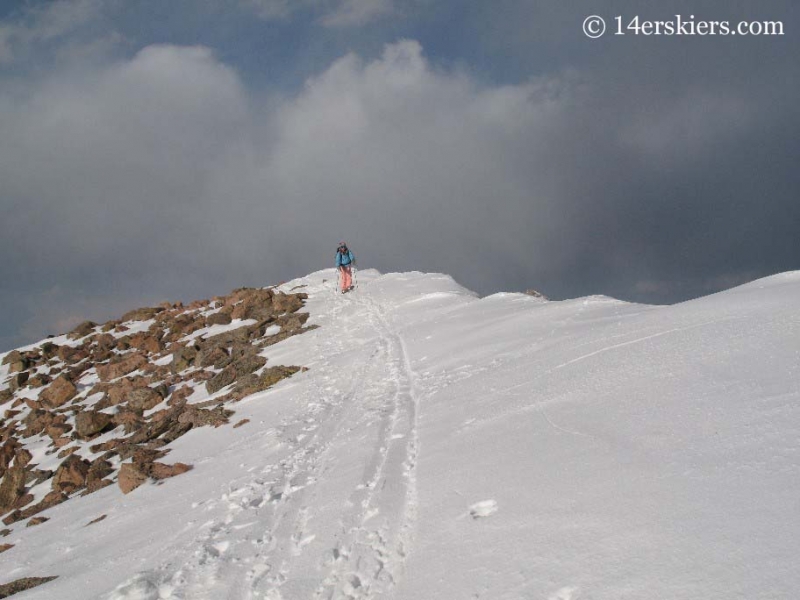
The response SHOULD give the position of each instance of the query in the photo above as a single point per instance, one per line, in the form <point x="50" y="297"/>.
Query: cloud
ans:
<point x="164" y="176"/>
<point x="331" y="13"/>
<point x="358" y="12"/>
<point x="272" y="9"/>
<point x="36" y="24"/>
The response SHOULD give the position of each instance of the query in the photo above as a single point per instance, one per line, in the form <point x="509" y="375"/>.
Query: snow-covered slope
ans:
<point x="446" y="446"/>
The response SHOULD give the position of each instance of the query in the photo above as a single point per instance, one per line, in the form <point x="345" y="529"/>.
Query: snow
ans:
<point x="447" y="446"/>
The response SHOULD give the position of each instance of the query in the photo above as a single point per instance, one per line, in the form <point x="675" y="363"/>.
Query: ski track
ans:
<point x="256" y="550"/>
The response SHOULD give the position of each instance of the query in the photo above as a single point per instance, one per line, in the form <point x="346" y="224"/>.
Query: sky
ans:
<point x="158" y="151"/>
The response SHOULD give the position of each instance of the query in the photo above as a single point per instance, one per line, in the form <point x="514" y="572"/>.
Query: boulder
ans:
<point x="183" y="358"/>
<point x="95" y="478"/>
<point x="71" y="474"/>
<point x="12" y="488"/>
<point x="22" y="458"/>
<point x="219" y="318"/>
<point x="180" y="395"/>
<point x="16" y="361"/>
<point x="131" y="476"/>
<point x="58" y="393"/>
<point x="49" y="350"/>
<point x="105" y="341"/>
<point x="225" y="377"/>
<point x="213" y="356"/>
<point x="20" y="585"/>
<point x="36" y="421"/>
<point x="287" y="303"/>
<point x="141" y="314"/>
<point x="57" y="430"/>
<point x="18" y="380"/>
<point x="19" y="366"/>
<point x="12" y="357"/>
<point x="7" y="453"/>
<point x="120" y="367"/>
<point x="267" y="379"/>
<point x="70" y="355"/>
<point x="39" y="380"/>
<point x="159" y="471"/>
<point x="110" y="326"/>
<point x="89" y="423"/>
<point x="146" y="342"/>
<point x="82" y="330"/>
<point x="143" y="399"/>
<point x="249" y="363"/>
<point x="252" y="304"/>
<point x="536" y="294"/>
<point x="128" y="419"/>
<point x="200" y="417"/>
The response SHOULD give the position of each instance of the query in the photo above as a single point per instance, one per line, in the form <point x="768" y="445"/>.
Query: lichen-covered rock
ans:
<point x="268" y="378"/>
<point x="213" y="356"/>
<point x="200" y="417"/>
<point x="183" y="357"/>
<point x="225" y="377"/>
<point x="58" y="393"/>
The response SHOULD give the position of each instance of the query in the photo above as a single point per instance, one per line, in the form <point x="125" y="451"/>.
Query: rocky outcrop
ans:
<point x="147" y="374"/>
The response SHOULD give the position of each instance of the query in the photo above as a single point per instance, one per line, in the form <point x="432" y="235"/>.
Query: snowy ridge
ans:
<point x="446" y="446"/>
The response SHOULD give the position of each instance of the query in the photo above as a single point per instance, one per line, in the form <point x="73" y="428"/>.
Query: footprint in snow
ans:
<point x="565" y="593"/>
<point x="485" y="508"/>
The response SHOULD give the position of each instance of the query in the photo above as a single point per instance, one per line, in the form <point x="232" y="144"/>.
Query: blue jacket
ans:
<point x="344" y="260"/>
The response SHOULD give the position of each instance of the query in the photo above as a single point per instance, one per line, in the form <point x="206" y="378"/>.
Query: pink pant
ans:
<point x="346" y="278"/>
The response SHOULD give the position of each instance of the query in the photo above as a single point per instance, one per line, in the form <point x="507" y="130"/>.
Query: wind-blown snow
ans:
<point x="446" y="446"/>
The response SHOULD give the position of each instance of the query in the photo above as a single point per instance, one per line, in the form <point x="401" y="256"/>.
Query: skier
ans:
<point x="344" y="263"/>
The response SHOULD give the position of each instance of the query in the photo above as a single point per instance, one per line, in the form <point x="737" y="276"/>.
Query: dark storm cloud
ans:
<point x="652" y="169"/>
